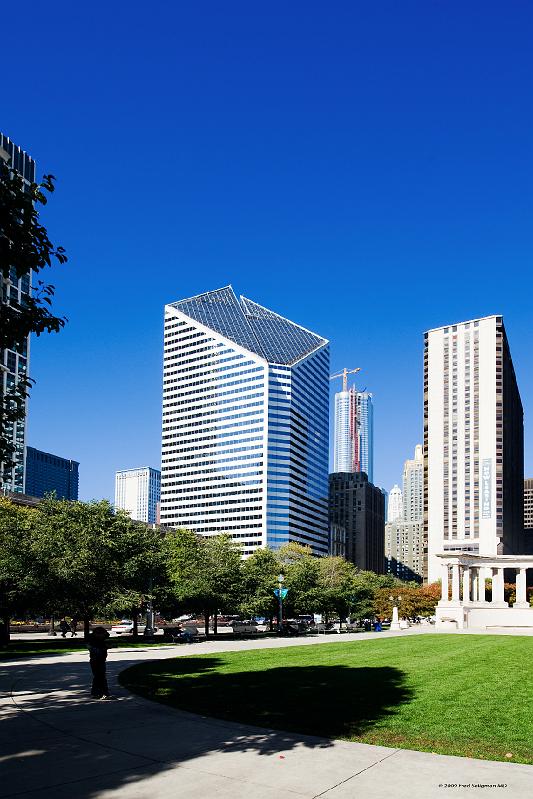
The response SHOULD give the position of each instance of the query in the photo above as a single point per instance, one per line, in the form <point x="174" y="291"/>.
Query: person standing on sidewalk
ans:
<point x="97" y="643"/>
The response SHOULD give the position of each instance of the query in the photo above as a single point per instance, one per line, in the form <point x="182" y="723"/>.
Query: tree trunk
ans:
<point x="135" y="631"/>
<point x="215" y="623"/>
<point x="271" y="623"/>
<point x="4" y="628"/>
<point x="86" y="626"/>
<point x="206" y="624"/>
<point x="51" y="630"/>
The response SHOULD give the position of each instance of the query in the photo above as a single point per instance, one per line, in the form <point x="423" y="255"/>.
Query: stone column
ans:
<point x="481" y="596"/>
<point x="455" y="582"/>
<point x="466" y="584"/>
<point x="444" y="577"/>
<point x="521" y="601"/>
<point x="475" y="583"/>
<point x="497" y="586"/>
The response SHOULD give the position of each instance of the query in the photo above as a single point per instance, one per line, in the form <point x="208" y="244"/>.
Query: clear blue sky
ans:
<point x="362" y="168"/>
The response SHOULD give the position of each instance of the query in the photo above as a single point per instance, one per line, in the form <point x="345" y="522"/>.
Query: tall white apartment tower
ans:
<point x="473" y="443"/>
<point x="138" y="491"/>
<point x="413" y="487"/>
<point x="245" y="424"/>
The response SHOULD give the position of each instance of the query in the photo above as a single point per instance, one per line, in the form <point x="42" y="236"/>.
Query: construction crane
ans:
<point x="344" y="374"/>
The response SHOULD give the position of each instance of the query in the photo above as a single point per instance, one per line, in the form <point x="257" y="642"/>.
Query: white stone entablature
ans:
<point x="468" y="606"/>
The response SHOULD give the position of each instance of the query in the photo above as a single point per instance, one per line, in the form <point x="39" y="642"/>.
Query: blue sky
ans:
<point x="364" y="169"/>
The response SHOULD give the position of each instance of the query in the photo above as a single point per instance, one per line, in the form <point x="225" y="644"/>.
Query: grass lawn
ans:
<point x="469" y="695"/>
<point x="24" y="649"/>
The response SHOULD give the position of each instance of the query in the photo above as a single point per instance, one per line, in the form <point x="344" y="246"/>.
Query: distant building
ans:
<point x="404" y="550"/>
<point x="473" y="443"/>
<point x="15" y="363"/>
<point x="353" y="442"/>
<point x="365" y="430"/>
<point x="395" y="504"/>
<point x="357" y="520"/>
<point x="413" y="487"/>
<point x="138" y="491"/>
<point x="46" y="473"/>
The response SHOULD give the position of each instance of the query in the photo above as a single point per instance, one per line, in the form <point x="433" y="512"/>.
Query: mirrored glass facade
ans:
<point x="245" y="424"/>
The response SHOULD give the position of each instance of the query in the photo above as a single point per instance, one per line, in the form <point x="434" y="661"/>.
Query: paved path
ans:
<point x="56" y="744"/>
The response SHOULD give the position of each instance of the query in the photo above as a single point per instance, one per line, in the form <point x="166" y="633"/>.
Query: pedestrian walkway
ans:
<point x="55" y="743"/>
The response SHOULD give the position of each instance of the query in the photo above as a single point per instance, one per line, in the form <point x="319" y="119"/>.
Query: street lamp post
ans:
<point x="281" y="578"/>
<point x="395" y="623"/>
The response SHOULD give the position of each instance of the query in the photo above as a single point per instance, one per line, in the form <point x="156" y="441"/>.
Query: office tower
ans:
<point x="245" y="424"/>
<point x="365" y="430"/>
<point x="354" y="432"/>
<point x="138" y="491"/>
<point x="528" y="515"/>
<point x="404" y="549"/>
<point x="413" y="487"/>
<point x="46" y="473"/>
<point x="357" y="520"/>
<point x="395" y="504"/>
<point x="473" y="443"/>
<point x="14" y="364"/>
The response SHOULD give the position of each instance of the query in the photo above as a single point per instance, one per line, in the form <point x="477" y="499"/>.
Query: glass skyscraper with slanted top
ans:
<point x="245" y="424"/>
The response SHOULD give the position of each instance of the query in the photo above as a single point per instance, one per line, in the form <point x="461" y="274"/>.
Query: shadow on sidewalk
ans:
<point x="56" y="742"/>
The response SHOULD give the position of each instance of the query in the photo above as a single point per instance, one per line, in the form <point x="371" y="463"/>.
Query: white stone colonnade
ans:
<point x="468" y="606"/>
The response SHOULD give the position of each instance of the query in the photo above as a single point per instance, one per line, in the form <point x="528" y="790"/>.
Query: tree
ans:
<point x="17" y="586"/>
<point x="24" y="248"/>
<point x="259" y="579"/>
<point x="205" y="573"/>
<point x="337" y="586"/>
<point x="301" y="572"/>
<point x="416" y="600"/>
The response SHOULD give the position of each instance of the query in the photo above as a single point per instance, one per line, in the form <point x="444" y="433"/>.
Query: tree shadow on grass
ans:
<point x="334" y="701"/>
<point x="56" y="743"/>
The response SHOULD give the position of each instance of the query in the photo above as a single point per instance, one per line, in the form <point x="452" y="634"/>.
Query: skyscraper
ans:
<point x="365" y="430"/>
<point x="404" y="551"/>
<point x="354" y="432"/>
<point x="14" y="364"/>
<point x="245" y="424"/>
<point x="357" y="520"/>
<point x="395" y="504"/>
<point x="138" y="491"/>
<point x="413" y="487"/>
<point x="46" y="473"/>
<point x="528" y="515"/>
<point x="473" y="443"/>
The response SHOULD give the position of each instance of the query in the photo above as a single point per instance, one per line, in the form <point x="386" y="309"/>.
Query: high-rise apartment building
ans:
<point x="395" y="504"/>
<point x="413" y="487"/>
<point x="473" y="443"/>
<point x="404" y="550"/>
<point x="138" y="491"/>
<point x="357" y="520"/>
<point x="46" y="473"/>
<point x="354" y="432"/>
<point x="245" y="424"/>
<point x="14" y="364"/>
<point x="528" y="515"/>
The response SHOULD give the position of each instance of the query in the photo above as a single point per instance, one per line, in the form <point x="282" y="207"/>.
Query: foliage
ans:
<point x="18" y="589"/>
<point x="259" y="579"/>
<point x="24" y="248"/>
<point x="415" y="600"/>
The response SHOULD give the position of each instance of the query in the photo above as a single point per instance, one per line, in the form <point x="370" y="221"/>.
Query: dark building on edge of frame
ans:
<point x="357" y="520"/>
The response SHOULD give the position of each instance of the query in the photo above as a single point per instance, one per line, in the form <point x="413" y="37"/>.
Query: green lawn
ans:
<point x="24" y="649"/>
<point x="469" y="695"/>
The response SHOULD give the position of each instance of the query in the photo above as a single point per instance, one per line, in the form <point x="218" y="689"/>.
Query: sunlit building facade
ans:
<point x="245" y="424"/>
<point x="138" y="491"/>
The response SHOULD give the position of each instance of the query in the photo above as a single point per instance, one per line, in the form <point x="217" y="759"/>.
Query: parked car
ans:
<point x="244" y="627"/>
<point x="126" y="628"/>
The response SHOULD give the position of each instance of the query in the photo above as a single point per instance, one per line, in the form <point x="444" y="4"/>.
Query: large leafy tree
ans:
<point x="24" y="248"/>
<point x="19" y="585"/>
<point x="301" y="573"/>
<point x="205" y="573"/>
<point x="259" y="579"/>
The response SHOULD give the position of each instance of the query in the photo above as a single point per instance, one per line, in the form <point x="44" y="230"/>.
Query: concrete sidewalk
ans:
<point x="57" y="744"/>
